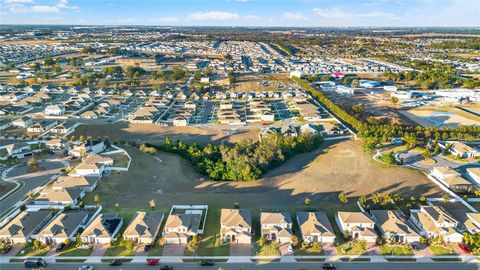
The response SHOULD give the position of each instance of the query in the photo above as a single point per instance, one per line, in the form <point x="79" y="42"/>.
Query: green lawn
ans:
<point x="29" y="251"/>
<point x="119" y="160"/>
<point x="156" y="250"/>
<point x="211" y="243"/>
<point x="395" y="250"/>
<point x="352" y="248"/>
<point x="307" y="252"/>
<point x="76" y="252"/>
<point x="440" y="250"/>
<point x="119" y="250"/>
<point x="266" y="250"/>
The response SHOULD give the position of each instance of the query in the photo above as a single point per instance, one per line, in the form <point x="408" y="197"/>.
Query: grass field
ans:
<point x="28" y="250"/>
<point x="6" y="187"/>
<point x="352" y="248"/>
<point x="440" y="250"/>
<point x="395" y="250"/>
<point x="76" y="252"/>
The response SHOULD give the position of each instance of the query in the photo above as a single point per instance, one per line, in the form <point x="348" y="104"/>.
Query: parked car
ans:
<point x="329" y="266"/>
<point x="60" y="247"/>
<point x="207" y="263"/>
<point x="6" y="248"/>
<point x="116" y="263"/>
<point x="85" y="267"/>
<point x="166" y="267"/>
<point x="35" y="263"/>
<point x="153" y="261"/>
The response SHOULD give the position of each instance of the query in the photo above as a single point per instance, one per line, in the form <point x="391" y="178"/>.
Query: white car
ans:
<point x="85" y="267"/>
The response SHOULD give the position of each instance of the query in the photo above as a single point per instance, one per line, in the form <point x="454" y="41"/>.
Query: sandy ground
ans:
<point x="429" y="118"/>
<point x="156" y="134"/>
<point x="319" y="175"/>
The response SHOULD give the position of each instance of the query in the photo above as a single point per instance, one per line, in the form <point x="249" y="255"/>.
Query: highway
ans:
<point x="268" y="266"/>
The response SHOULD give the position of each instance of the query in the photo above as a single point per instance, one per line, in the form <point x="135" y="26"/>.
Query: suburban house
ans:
<point x="88" y="183"/>
<point x="474" y="174"/>
<point x="451" y="179"/>
<point x="98" y="159"/>
<point x="54" y="110"/>
<point x="102" y="229"/>
<point x="89" y="169"/>
<point x="463" y="150"/>
<point x="144" y="227"/>
<point x="179" y="228"/>
<point x="358" y="225"/>
<point x="81" y="148"/>
<point x="236" y="226"/>
<point x="472" y="224"/>
<point x="56" y="145"/>
<point x="394" y="226"/>
<point x="432" y="221"/>
<point x="19" y="150"/>
<point x="22" y="122"/>
<point x="276" y="227"/>
<point x="59" y="197"/>
<point x="64" y="226"/>
<point x="315" y="227"/>
<point x="64" y="128"/>
<point x="23" y="226"/>
<point x="42" y="126"/>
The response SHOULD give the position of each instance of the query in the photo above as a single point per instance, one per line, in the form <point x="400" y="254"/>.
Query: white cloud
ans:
<point x="9" y="2"/>
<point x="252" y="17"/>
<point x="332" y="13"/>
<point x="18" y="9"/>
<point x="294" y="16"/>
<point x="212" y="15"/>
<point x="45" y="9"/>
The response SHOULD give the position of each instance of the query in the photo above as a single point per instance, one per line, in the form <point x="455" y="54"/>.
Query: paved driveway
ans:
<point x="15" y="249"/>
<point x="140" y="251"/>
<point x="173" y="250"/>
<point x="423" y="250"/>
<point x="240" y="249"/>
<point x="29" y="181"/>
<point x="372" y="249"/>
<point x="329" y="249"/>
<point x="99" y="249"/>
<point x="284" y="250"/>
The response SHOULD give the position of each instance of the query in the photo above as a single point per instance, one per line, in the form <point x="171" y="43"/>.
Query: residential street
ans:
<point x="29" y="182"/>
<point x="271" y="266"/>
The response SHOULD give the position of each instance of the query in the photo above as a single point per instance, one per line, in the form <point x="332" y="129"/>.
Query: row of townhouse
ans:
<point x="97" y="229"/>
<point x="71" y="188"/>
<point x="325" y="128"/>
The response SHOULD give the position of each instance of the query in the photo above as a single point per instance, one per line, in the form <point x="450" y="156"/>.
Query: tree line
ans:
<point x="374" y="132"/>
<point x="243" y="161"/>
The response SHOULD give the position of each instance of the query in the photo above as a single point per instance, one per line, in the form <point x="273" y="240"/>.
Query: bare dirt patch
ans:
<point x="150" y="133"/>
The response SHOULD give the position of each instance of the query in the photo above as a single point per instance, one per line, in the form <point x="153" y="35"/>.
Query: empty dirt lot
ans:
<point x="320" y="175"/>
<point x="150" y="133"/>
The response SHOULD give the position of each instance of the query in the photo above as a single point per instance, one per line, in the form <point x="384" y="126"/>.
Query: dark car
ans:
<point x="166" y="267"/>
<point x="116" y="263"/>
<point x="329" y="266"/>
<point x="207" y="263"/>
<point x="6" y="248"/>
<point x="60" y="247"/>
<point x="147" y="248"/>
<point x="35" y="263"/>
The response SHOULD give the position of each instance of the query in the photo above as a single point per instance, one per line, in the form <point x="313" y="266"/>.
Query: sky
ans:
<point x="295" y="13"/>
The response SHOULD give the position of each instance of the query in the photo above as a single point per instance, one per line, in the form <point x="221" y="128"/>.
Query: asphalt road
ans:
<point x="269" y="266"/>
<point x="29" y="182"/>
